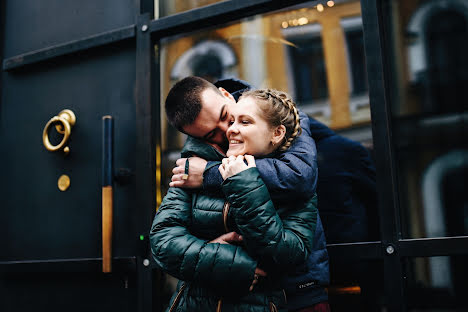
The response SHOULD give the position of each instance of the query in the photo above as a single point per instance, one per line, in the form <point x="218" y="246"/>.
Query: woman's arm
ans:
<point x="284" y="241"/>
<point x="189" y="258"/>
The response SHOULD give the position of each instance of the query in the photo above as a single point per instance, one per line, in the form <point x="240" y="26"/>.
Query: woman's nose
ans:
<point x="232" y="129"/>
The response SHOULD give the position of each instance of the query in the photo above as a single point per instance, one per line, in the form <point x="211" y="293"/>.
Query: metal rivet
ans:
<point x="390" y="249"/>
<point x="144" y="28"/>
<point x="146" y="262"/>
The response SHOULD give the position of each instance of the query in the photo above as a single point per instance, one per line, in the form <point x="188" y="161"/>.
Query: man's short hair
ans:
<point x="183" y="103"/>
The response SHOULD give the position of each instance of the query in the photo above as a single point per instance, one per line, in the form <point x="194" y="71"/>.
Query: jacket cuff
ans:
<point x="212" y="179"/>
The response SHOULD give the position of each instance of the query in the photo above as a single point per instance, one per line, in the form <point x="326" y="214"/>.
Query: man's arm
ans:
<point x="294" y="172"/>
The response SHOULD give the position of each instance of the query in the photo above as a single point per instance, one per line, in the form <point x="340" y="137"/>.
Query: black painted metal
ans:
<point x="143" y="7"/>
<point x="68" y="48"/>
<point x="119" y="264"/>
<point x="145" y="148"/>
<point x="51" y="240"/>
<point x="107" y="151"/>
<point x="430" y="247"/>
<point x="211" y="15"/>
<point x="355" y="251"/>
<point x="2" y="42"/>
<point x="381" y="125"/>
<point x="145" y="285"/>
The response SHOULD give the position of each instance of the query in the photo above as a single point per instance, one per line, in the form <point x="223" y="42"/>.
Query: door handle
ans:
<point x="66" y="119"/>
<point x="107" y="191"/>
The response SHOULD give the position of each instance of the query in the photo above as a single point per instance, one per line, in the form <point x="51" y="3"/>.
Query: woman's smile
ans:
<point x="248" y="132"/>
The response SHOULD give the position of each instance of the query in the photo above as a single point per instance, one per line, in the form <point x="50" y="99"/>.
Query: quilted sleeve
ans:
<point x="281" y="239"/>
<point x="189" y="258"/>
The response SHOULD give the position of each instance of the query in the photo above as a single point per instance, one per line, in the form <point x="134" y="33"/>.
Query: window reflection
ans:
<point x="436" y="283"/>
<point x="170" y="7"/>
<point x="357" y="285"/>
<point x="429" y="107"/>
<point x="316" y="55"/>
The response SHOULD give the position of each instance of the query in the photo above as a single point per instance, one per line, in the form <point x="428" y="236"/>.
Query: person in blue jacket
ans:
<point x="347" y="193"/>
<point x="346" y="186"/>
<point x="294" y="173"/>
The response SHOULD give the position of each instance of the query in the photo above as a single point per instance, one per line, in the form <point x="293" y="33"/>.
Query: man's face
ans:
<point x="213" y="120"/>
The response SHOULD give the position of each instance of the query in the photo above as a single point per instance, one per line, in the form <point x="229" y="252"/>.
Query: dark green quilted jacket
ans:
<point x="276" y="237"/>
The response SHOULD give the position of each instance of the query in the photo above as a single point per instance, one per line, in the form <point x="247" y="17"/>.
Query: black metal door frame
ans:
<point x="147" y="33"/>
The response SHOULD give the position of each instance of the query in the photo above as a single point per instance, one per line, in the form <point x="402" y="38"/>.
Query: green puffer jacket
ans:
<point x="276" y="238"/>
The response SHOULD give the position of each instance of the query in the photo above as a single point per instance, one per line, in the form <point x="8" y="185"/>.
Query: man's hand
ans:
<point x="258" y="273"/>
<point x="231" y="238"/>
<point x="233" y="165"/>
<point x="195" y="175"/>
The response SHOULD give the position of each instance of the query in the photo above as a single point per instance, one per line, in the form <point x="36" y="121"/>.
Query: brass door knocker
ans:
<point x="66" y="120"/>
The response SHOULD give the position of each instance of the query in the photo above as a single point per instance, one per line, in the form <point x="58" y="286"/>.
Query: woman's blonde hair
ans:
<point x="278" y="109"/>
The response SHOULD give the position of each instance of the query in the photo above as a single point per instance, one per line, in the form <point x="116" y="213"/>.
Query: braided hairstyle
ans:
<point x="278" y="109"/>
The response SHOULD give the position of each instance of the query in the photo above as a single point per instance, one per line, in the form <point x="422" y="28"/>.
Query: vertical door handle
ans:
<point x="107" y="192"/>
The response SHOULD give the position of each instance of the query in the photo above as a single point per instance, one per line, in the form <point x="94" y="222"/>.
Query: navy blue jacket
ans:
<point x="305" y="287"/>
<point x="346" y="186"/>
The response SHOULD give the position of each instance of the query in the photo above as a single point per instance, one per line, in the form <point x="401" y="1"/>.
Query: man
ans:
<point x="201" y="110"/>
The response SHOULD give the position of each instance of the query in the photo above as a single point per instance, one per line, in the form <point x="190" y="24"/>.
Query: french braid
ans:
<point x="278" y="109"/>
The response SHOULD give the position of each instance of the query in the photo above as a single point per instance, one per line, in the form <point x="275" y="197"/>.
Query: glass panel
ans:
<point x="429" y="110"/>
<point x="170" y="7"/>
<point x="315" y="54"/>
<point x="437" y="283"/>
<point x="303" y="51"/>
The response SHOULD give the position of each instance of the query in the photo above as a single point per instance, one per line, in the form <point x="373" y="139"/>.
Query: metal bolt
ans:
<point x="146" y="262"/>
<point x="144" y="28"/>
<point x="390" y="249"/>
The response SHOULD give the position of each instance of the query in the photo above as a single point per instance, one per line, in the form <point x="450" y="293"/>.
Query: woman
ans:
<point x="187" y="234"/>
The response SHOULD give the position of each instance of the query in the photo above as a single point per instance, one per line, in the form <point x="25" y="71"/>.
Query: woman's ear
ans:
<point x="278" y="135"/>
<point x="226" y="94"/>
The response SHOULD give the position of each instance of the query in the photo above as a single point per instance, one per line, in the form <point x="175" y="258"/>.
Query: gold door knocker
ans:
<point x="66" y="120"/>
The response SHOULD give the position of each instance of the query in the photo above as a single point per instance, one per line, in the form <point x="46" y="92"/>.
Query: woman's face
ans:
<point x="248" y="132"/>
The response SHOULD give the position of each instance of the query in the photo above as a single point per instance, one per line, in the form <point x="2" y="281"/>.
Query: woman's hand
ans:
<point x="233" y="165"/>
<point x="231" y="238"/>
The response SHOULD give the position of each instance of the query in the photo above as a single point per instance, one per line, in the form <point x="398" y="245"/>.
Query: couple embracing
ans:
<point x="239" y="226"/>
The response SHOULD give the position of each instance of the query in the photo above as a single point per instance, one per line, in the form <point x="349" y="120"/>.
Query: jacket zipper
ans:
<point x="226" y="228"/>
<point x="177" y="298"/>
<point x="226" y="207"/>
<point x="273" y="307"/>
<point x="218" y="308"/>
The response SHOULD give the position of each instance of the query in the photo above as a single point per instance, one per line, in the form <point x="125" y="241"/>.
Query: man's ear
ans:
<point x="278" y="135"/>
<point x="226" y="94"/>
